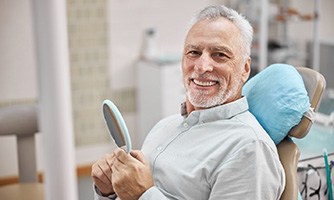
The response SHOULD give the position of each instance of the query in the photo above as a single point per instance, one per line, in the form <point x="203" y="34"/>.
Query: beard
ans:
<point x="203" y="99"/>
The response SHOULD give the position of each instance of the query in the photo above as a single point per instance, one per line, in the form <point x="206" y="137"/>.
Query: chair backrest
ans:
<point x="315" y="85"/>
<point x="21" y="121"/>
<point x="288" y="151"/>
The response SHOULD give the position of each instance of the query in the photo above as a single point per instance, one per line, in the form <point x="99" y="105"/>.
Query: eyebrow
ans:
<point x="190" y="46"/>
<point x="221" y="48"/>
<point x="213" y="48"/>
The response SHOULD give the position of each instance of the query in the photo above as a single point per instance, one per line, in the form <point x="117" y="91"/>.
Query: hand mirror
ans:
<point x="116" y="125"/>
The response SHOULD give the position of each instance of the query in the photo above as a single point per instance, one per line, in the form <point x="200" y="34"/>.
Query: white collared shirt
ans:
<point x="217" y="153"/>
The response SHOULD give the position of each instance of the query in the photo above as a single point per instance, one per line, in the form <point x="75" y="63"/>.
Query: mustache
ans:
<point x="204" y="76"/>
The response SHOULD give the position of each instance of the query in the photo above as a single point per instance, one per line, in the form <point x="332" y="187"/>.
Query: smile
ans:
<point x="204" y="83"/>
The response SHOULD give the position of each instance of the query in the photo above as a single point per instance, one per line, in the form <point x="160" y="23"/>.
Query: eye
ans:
<point x="219" y="55"/>
<point x="193" y="53"/>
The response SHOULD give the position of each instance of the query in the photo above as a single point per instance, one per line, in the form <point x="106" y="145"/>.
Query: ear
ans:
<point x="246" y="70"/>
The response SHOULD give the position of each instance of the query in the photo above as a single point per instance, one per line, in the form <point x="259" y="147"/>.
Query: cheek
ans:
<point x="186" y="68"/>
<point x="184" y="73"/>
<point x="224" y="72"/>
<point x="227" y="75"/>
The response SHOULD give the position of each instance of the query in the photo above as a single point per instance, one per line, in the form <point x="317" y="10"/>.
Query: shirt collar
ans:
<point x="224" y="111"/>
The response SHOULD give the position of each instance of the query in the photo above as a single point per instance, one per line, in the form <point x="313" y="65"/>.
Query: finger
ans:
<point x="98" y="182"/>
<point x="98" y="173"/>
<point x="123" y="147"/>
<point x="104" y="165"/>
<point x="110" y="159"/>
<point x="107" y="174"/>
<point x="116" y="165"/>
<point x="121" y="156"/>
<point x="104" y="188"/>
<point x="138" y="155"/>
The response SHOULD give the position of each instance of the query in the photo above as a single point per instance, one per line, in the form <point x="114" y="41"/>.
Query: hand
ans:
<point x="102" y="174"/>
<point x="131" y="175"/>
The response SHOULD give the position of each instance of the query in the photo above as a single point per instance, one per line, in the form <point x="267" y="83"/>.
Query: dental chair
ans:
<point x="288" y="151"/>
<point x="21" y="121"/>
<point x="283" y="98"/>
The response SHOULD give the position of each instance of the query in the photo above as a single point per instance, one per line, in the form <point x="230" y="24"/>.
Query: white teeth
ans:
<point x="205" y="84"/>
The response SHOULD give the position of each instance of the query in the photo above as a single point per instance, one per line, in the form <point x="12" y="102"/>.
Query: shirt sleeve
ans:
<point x="98" y="195"/>
<point x="251" y="173"/>
<point x="153" y="193"/>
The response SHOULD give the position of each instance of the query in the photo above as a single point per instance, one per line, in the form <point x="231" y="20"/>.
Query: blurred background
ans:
<point x="129" y="52"/>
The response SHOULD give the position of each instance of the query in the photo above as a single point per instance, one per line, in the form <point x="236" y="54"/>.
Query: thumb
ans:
<point x="138" y="155"/>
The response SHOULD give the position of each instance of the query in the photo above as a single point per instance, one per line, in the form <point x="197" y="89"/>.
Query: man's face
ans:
<point x="213" y="64"/>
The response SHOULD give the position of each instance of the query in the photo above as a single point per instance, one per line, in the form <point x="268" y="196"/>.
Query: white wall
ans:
<point x="302" y="31"/>
<point x="128" y="20"/>
<point x="17" y="53"/>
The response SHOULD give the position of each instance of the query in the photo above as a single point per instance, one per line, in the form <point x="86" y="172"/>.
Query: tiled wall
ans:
<point x="87" y="27"/>
<point x="128" y="20"/>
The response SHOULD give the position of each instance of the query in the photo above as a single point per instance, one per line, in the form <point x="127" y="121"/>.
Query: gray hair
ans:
<point x="214" y="12"/>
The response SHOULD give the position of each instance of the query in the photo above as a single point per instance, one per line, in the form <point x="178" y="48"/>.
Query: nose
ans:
<point x="203" y="64"/>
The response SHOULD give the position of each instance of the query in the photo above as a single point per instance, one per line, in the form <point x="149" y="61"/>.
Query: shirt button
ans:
<point x="185" y="125"/>
<point x="159" y="148"/>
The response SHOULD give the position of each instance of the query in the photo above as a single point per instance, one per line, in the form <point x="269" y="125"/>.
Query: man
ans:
<point x="217" y="149"/>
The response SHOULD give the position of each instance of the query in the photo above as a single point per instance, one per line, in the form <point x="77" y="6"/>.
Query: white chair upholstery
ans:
<point x="21" y="121"/>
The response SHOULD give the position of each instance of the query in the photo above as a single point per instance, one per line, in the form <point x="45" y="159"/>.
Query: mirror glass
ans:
<point x="116" y="125"/>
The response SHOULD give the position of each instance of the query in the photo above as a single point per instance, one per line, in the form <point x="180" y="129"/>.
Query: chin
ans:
<point x="208" y="101"/>
<point x="204" y="101"/>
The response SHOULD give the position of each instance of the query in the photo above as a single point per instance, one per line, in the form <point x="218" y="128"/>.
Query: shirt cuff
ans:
<point x="152" y="193"/>
<point x="98" y="195"/>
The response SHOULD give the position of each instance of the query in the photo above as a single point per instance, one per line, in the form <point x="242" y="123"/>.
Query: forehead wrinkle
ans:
<point x="192" y="46"/>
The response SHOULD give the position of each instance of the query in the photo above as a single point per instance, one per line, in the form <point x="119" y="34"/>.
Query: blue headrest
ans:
<point x="277" y="98"/>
